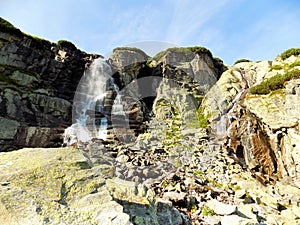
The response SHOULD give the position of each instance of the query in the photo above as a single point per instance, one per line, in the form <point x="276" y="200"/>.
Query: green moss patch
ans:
<point x="295" y="64"/>
<point x="41" y="42"/>
<point x="199" y="120"/>
<point x="206" y="211"/>
<point x="66" y="44"/>
<point x="200" y="50"/>
<point x="195" y="49"/>
<point x="274" y="83"/>
<point x="241" y="60"/>
<point x="7" y="27"/>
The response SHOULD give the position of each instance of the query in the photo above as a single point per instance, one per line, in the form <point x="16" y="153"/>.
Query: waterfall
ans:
<point x="90" y="108"/>
<point x="117" y="108"/>
<point x="233" y="113"/>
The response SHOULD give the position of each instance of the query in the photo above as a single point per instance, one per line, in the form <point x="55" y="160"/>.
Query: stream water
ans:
<point x="90" y="111"/>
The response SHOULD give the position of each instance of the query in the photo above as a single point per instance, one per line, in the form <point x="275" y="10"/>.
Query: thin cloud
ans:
<point x="229" y="28"/>
<point x="268" y="37"/>
<point x="189" y="17"/>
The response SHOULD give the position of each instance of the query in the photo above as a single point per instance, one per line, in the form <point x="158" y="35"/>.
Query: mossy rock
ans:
<point x="241" y="60"/>
<point x="66" y="44"/>
<point x="274" y="83"/>
<point x="133" y="49"/>
<point x="292" y="51"/>
<point x="7" y="27"/>
<point x="41" y="184"/>
<point x="195" y="49"/>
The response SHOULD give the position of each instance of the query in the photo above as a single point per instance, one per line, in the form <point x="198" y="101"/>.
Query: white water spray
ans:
<point x="89" y="112"/>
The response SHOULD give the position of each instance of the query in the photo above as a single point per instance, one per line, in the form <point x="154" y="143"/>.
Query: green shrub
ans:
<point x="241" y="60"/>
<point x="218" y="60"/>
<point x="276" y="67"/>
<point x="295" y="64"/>
<point x="6" y="26"/>
<point x="292" y="51"/>
<point x="206" y="211"/>
<point x="199" y="120"/>
<point x="200" y="50"/>
<point x="66" y="44"/>
<point x="202" y="120"/>
<point x="274" y="83"/>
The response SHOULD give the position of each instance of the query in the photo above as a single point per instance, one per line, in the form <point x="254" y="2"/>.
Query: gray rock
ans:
<point x="24" y="79"/>
<point x="168" y="215"/>
<point x="28" y="65"/>
<point x="220" y="208"/>
<point x="246" y="211"/>
<point x="8" y="128"/>
<point x="236" y="220"/>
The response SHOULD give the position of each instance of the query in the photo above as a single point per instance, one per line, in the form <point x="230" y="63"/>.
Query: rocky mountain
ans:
<point x="178" y="138"/>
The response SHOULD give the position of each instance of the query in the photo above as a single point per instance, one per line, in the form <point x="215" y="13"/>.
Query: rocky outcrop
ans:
<point x="173" y="81"/>
<point x="129" y="64"/>
<point x="262" y="129"/>
<point x="37" y="85"/>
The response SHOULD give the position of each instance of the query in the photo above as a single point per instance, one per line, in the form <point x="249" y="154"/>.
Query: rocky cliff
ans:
<point x="187" y="139"/>
<point x="38" y="80"/>
<point x="258" y="104"/>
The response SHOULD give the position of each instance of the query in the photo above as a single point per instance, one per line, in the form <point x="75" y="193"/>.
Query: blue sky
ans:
<point x="231" y="29"/>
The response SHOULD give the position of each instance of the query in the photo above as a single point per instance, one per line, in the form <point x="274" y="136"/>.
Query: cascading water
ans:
<point x="232" y="113"/>
<point x="89" y="109"/>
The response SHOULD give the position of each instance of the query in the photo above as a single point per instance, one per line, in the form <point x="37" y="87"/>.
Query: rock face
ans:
<point x="262" y="129"/>
<point x="129" y="64"/>
<point x="37" y="84"/>
<point x="175" y="81"/>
